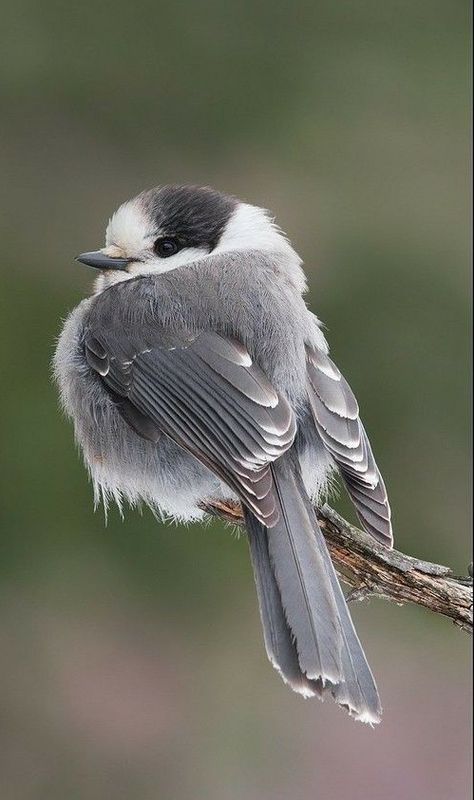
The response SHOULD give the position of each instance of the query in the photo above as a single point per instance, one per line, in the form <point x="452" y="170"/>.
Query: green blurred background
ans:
<point x="131" y="661"/>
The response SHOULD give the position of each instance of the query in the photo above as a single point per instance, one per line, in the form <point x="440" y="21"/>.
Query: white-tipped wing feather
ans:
<point x="336" y="414"/>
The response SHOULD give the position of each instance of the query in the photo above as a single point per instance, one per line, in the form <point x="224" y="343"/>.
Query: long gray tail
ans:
<point x="309" y="635"/>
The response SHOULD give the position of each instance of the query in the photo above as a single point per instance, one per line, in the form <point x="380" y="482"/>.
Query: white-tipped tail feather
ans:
<point x="309" y="635"/>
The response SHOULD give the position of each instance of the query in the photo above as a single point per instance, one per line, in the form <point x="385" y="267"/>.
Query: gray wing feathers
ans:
<point x="207" y="395"/>
<point x="250" y="380"/>
<point x="336" y="416"/>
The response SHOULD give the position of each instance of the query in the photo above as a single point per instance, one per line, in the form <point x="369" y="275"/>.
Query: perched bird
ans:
<point x="195" y="371"/>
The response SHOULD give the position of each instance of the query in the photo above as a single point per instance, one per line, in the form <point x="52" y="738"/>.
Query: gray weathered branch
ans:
<point x="371" y="569"/>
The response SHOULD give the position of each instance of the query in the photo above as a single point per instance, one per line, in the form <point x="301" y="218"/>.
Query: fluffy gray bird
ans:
<point x="196" y="371"/>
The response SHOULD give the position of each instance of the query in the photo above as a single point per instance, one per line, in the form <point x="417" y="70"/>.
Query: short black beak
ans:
<point x="99" y="260"/>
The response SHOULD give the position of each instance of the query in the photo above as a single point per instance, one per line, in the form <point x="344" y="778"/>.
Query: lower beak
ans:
<point x="100" y="260"/>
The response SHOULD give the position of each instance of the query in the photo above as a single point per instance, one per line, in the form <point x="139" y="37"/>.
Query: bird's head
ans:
<point x="173" y="226"/>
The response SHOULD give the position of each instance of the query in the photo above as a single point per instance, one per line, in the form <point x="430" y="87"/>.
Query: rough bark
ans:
<point x="370" y="569"/>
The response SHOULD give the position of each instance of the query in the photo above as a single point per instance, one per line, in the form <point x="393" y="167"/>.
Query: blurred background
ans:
<point x="132" y="664"/>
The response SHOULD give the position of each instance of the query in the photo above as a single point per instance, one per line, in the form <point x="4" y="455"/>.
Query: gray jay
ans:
<point x="196" y="371"/>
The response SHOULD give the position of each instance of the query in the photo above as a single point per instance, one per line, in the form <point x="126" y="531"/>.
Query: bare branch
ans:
<point x="371" y="569"/>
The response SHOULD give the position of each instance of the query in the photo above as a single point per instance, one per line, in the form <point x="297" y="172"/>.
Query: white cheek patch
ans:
<point x="151" y="266"/>
<point x="157" y="265"/>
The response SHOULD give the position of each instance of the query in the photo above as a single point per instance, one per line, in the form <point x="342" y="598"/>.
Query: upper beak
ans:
<point x="100" y="260"/>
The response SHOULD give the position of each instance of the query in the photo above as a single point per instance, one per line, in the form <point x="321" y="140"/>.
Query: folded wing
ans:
<point x="336" y="414"/>
<point x="209" y="397"/>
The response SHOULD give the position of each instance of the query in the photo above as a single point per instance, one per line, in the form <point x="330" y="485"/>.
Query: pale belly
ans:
<point x="125" y="467"/>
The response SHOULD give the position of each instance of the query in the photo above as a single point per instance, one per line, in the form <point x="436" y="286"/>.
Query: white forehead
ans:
<point x="129" y="227"/>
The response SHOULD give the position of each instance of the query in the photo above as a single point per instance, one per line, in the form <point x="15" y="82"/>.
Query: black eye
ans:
<point x="166" y="247"/>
